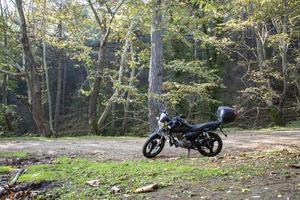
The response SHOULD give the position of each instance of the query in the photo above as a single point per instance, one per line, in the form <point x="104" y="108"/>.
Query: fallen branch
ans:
<point x="148" y="188"/>
<point x="296" y="166"/>
<point x="19" y="173"/>
<point x="2" y="192"/>
<point x="7" y="189"/>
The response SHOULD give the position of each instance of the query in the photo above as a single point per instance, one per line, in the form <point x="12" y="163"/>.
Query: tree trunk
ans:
<point x="46" y="69"/>
<point x="4" y="89"/>
<point x="127" y="104"/>
<point x="27" y="77"/>
<point x="5" y="42"/>
<point x="59" y="81"/>
<point x="64" y="90"/>
<point x="113" y="115"/>
<point x="260" y="57"/>
<point x="105" y="27"/>
<point x="123" y="62"/>
<point x="96" y="89"/>
<point x="33" y="76"/>
<point x="283" y="54"/>
<point x="156" y="67"/>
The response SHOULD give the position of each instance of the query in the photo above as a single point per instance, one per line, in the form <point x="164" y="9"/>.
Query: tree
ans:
<point x="156" y="66"/>
<point x="33" y="76"/>
<point x="59" y="79"/>
<point x="46" y="69"/>
<point x="104" y="18"/>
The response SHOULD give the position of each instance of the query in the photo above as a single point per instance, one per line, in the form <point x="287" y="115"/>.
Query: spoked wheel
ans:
<point x="211" y="146"/>
<point x="153" y="146"/>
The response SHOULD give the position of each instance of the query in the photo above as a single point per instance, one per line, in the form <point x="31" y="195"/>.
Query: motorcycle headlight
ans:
<point x="161" y="120"/>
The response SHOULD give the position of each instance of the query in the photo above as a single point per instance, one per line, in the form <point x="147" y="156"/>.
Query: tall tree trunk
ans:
<point x="105" y="27"/>
<point x="5" y="42"/>
<point x="64" y="90"/>
<point x="131" y="82"/>
<point x="4" y="89"/>
<point x="283" y="54"/>
<point x="33" y="76"/>
<point x="96" y="89"/>
<point x="59" y="81"/>
<point x="27" y="79"/>
<point x="46" y="69"/>
<point x="123" y="62"/>
<point x="156" y="67"/>
<point x="113" y="115"/>
<point x="260" y="57"/>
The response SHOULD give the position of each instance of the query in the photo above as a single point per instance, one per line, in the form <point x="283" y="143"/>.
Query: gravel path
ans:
<point x="122" y="149"/>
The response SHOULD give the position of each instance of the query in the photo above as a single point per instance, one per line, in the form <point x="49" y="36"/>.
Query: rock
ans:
<point x="93" y="183"/>
<point x="115" y="189"/>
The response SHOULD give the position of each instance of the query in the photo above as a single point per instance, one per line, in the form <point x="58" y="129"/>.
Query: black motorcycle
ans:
<point x="180" y="133"/>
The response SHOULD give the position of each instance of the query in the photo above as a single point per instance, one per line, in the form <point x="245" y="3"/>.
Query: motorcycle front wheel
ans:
<point x="211" y="146"/>
<point x="153" y="146"/>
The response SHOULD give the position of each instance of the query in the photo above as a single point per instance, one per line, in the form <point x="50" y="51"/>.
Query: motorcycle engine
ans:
<point x="182" y="141"/>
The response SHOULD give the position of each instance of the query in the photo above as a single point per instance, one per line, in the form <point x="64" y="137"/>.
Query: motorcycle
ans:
<point x="180" y="133"/>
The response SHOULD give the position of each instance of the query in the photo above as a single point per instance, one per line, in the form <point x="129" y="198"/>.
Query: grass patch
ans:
<point x="73" y="173"/>
<point x="15" y="154"/>
<point x="5" y="169"/>
<point x="129" y="175"/>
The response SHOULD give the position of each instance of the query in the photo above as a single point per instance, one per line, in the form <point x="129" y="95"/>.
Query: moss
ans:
<point x="5" y="169"/>
<point x="15" y="154"/>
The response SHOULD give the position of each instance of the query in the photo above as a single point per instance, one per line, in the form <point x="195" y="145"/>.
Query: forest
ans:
<point x="109" y="67"/>
<point x="128" y="99"/>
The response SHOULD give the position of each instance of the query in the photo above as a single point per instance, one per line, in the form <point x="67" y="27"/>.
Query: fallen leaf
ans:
<point x="245" y="190"/>
<point x="147" y="188"/>
<point x="93" y="183"/>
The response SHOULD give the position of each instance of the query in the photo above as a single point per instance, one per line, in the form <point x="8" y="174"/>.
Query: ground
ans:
<point x="252" y="165"/>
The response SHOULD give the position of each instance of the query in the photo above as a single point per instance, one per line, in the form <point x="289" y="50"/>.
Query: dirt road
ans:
<point x="121" y="149"/>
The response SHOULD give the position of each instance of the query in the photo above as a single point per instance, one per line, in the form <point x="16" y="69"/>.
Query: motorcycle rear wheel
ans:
<point x="209" y="150"/>
<point x="151" y="144"/>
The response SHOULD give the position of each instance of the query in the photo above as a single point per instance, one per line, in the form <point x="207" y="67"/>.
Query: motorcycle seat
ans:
<point x="205" y="127"/>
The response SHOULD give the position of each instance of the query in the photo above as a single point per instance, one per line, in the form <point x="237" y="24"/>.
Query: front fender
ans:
<point x="155" y="134"/>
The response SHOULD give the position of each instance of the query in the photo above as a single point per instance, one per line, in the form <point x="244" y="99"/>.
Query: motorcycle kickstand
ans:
<point x="189" y="152"/>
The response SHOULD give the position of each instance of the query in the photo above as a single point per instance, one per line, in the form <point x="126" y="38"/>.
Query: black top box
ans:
<point x="226" y="114"/>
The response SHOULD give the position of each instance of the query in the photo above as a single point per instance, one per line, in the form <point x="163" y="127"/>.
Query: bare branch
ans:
<point x="99" y="21"/>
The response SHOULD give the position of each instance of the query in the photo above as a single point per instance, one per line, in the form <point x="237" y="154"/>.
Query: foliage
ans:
<point x="215" y="53"/>
<point x="9" y="115"/>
